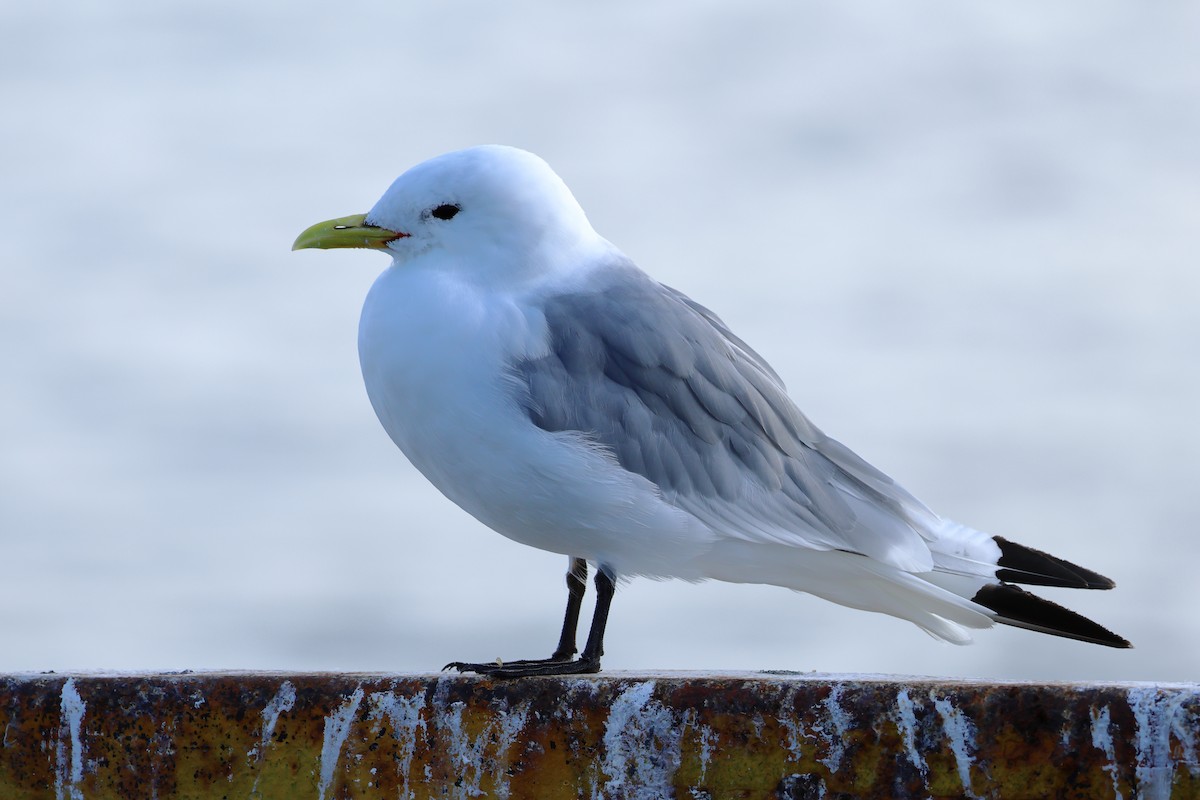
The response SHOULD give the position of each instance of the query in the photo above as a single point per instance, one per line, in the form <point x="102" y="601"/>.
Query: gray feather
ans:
<point x="662" y="383"/>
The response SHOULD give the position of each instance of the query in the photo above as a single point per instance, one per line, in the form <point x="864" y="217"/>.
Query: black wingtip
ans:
<point x="1015" y="606"/>
<point x="1021" y="564"/>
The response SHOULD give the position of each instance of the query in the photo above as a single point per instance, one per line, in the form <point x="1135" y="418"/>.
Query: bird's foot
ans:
<point x="530" y="667"/>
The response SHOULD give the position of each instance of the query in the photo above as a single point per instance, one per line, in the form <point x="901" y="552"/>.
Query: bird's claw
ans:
<point x="529" y="668"/>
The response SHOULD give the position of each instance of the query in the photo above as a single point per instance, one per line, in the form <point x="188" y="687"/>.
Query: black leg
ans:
<point x="562" y="663"/>
<point x="576" y="586"/>
<point x="605" y="587"/>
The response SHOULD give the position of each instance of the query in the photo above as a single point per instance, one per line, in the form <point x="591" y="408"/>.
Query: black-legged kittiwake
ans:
<point x="570" y="402"/>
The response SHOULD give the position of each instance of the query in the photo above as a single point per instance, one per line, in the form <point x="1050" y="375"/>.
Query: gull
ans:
<point x="568" y="401"/>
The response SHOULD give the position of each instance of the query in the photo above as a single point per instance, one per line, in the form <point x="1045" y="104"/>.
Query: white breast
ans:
<point x="433" y="353"/>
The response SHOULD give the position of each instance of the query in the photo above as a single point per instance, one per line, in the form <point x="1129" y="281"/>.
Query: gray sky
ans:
<point x="964" y="235"/>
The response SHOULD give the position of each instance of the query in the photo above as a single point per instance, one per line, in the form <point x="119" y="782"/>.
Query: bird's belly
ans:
<point x="550" y="491"/>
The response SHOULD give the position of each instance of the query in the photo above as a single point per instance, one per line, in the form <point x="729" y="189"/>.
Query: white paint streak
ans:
<point x="708" y="737"/>
<point x="337" y="729"/>
<point x="69" y="768"/>
<point x="758" y="722"/>
<point x="510" y="726"/>
<point x="906" y="721"/>
<point x="283" y="700"/>
<point x="841" y="723"/>
<point x="961" y="734"/>
<point x="641" y="746"/>
<point x="1160" y="714"/>
<point x="795" y="733"/>
<point x="470" y="753"/>
<point x="465" y="753"/>
<point x="704" y="738"/>
<point x="795" y="736"/>
<point x="1102" y="740"/>
<point x="404" y="716"/>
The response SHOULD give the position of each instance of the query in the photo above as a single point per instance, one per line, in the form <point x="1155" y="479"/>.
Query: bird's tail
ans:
<point x="984" y="569"/>
<point x="971" y="585"/>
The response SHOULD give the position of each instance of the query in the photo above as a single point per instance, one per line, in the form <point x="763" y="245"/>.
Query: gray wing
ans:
<point x="662" y="383"/>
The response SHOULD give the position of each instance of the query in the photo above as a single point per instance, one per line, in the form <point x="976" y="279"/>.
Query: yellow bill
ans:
<point x="345" y="232"/>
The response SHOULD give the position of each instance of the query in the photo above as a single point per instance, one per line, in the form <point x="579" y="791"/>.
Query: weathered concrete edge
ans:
<point x="268" y="734"/>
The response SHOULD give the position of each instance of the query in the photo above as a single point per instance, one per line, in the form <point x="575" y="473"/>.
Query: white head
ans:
<point x="491" y="208"/>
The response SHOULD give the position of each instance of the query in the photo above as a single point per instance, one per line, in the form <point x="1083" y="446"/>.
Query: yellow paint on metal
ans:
<point x="327" y="736"/>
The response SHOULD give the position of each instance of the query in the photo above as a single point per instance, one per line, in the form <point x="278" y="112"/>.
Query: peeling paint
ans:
<point x="790" y="723"/>
<point x="69" y="771"/>
<point x="641" y="746"/>
<point x="1102" y="740"/>
<point x="337" y="729"/>
<point x="906" y="722"/>
<point x="611" y="737"/>
<point x="465" y="752"/>
<point x="1158" y="715"/>
<point x="468" y="753"/>
<point x="759" y="723"/>
<point x="283" y="701"/>
<point x="961" y="734"/>
<point x="404" y="716"/>
<point x="581" y="685"/>
<point x="707" y="737"/>
<point x="842" y="723"/>
<point x="510" y="725"/>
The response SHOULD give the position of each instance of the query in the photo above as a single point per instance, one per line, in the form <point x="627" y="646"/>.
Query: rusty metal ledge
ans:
<point x="683" y="735"/>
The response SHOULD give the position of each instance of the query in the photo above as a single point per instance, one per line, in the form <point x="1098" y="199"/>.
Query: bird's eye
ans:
<point x="445" y="211"/>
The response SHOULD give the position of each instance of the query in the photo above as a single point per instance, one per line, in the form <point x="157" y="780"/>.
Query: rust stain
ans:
<point x="337" y="736"/>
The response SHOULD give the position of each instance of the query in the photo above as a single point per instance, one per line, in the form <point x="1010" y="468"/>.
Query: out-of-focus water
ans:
<point x="965" y="235"/>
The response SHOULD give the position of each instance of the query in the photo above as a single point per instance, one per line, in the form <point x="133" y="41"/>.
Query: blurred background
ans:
<point x="964" y="234"/>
